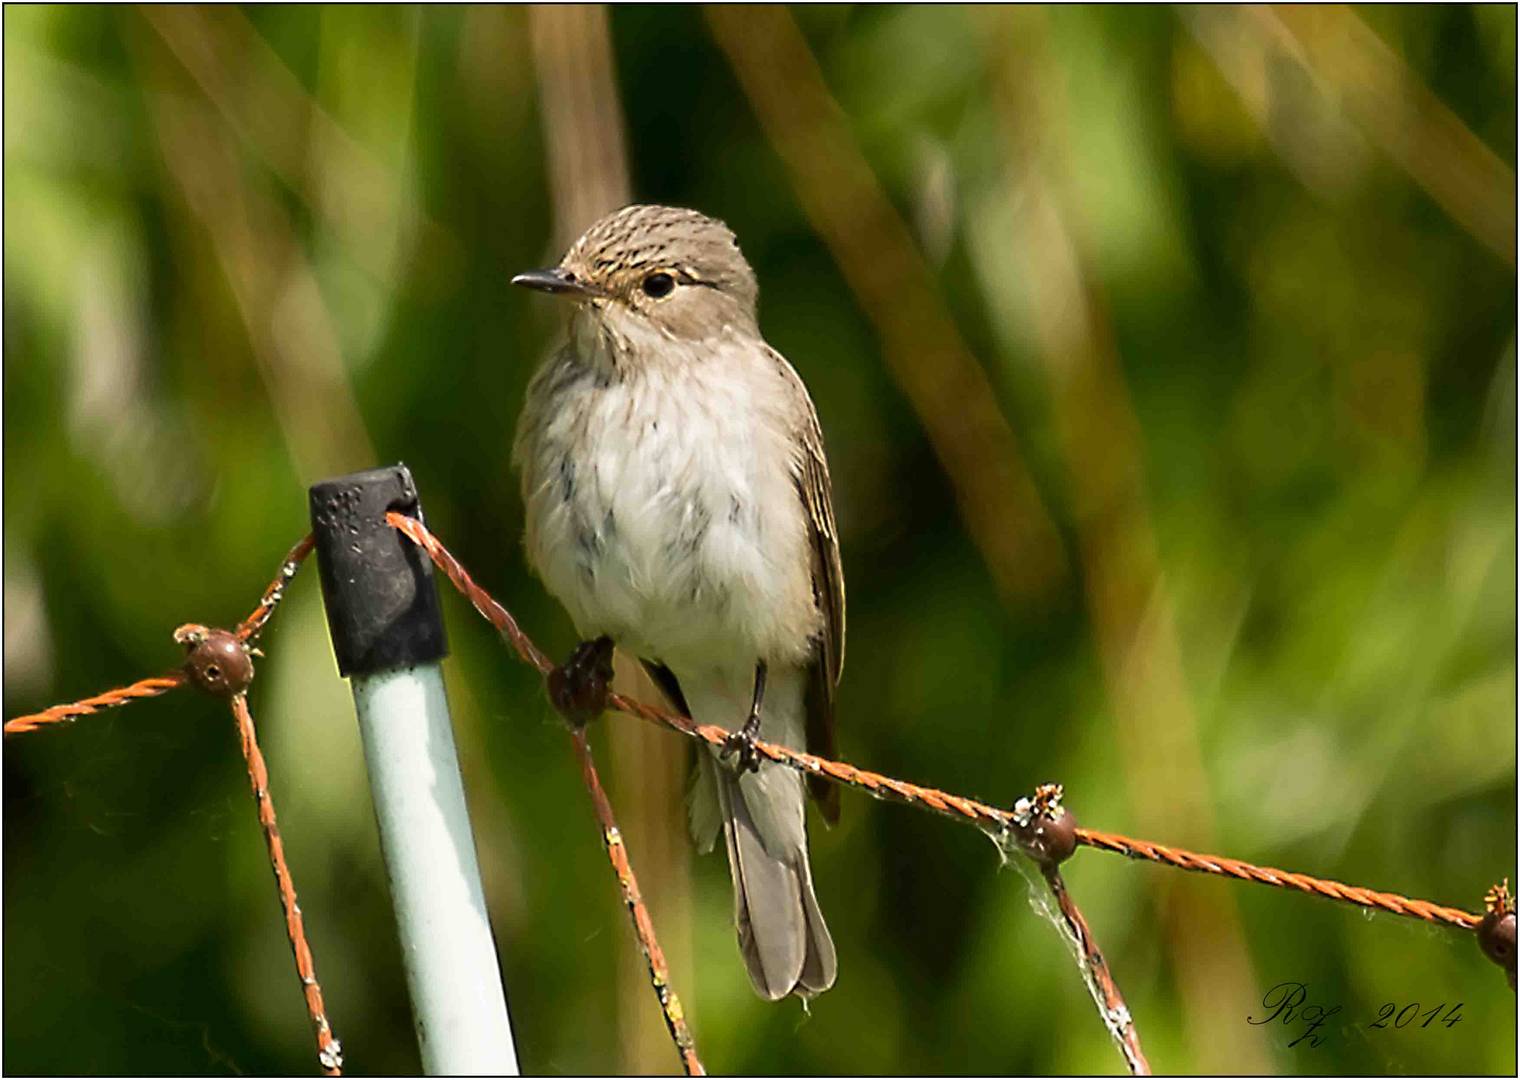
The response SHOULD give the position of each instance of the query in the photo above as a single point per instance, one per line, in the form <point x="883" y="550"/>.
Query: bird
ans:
<point x="678" y="503"/>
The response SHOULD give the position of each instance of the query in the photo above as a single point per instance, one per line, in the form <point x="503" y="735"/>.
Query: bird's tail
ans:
<point x="783" y="937"/>
<point x="785" y="942"/>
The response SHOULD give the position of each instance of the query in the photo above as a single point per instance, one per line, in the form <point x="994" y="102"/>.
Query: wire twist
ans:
<point x="329" y="1049"/>
<point x="1392" y="903"/>
<point x="1003" y="825"/>
<point x="1111" y="1007"/>
<point x="643" y="925"/>
<point x="123" y="695"/>
<point x="274" y="592"/>
<point x="248" y="630"/>
<point x="1000" y="822"/>
<point x="612" y="838"/>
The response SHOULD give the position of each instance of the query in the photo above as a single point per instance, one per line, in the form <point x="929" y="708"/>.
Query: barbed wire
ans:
<point x="247" y="632"/>
<point x="274" y="592"/>
<point x="1028" y="825"/>
<point x="1040" y="828"/>
<point x="612" y="838"/>
<point x="1112" y="1010"/>
<point x="643" y="925"/>
<point x="220" y="662"/>
<point x="1043" y="827"/>
<point x="1392" y="903"/>
<point x="329" y="1050"/>
<point x="123" y="695"/>
<point x="957" y="807"/>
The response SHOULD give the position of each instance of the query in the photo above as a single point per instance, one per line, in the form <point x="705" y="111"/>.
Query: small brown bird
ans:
<point x="678" y="502"/>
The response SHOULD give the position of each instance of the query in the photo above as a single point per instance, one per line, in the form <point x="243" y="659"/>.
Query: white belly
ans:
<point x="667" y="517"/>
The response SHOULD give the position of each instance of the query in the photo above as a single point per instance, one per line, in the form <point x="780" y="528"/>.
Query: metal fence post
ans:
<point x="382" y="613"/>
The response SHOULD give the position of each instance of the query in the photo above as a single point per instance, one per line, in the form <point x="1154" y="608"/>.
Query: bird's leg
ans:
<point x="578" y="687"/>
<point x="742" y="742"/>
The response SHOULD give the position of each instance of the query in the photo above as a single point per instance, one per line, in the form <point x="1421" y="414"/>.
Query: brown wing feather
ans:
<point x="816" y="492"/>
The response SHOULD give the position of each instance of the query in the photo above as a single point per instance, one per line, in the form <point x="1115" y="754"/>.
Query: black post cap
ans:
<point x="377" y="586"/>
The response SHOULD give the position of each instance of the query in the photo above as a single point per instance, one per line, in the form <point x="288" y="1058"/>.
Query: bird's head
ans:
<point x="645" y="273"/>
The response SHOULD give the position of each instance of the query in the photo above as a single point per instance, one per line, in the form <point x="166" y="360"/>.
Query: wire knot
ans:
<point x="1044" y="829"/>
<point x="216" y="660"/>
<point x="1496" y="933"/>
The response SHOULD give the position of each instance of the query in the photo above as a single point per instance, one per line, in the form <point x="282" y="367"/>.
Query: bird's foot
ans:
<point x="742" y="743"/>
<point x="578" y="687"/>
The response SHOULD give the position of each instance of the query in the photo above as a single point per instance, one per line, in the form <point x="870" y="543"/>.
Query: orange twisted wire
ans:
<point x="329" y="1050"/>
<point x="643" y="925"/>
<point x="1114" y="1012"/>
<point x="484" y="602"/>
<point x="58" y="714"/>
<point x="247" y="630"/>
<point x="1392" y="903"/>
<point x="957" y="807"/>
<point x="274" y="592"/>
<point x="1003" y="824"/>
<point x="612" y="838"/>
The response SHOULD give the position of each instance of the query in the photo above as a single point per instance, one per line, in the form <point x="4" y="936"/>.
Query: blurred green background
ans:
<point x="1166" y="361"/>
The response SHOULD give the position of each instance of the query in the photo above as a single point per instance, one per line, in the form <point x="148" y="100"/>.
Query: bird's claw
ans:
<point x="578" y="688"/>
<point x="742" y="743"/>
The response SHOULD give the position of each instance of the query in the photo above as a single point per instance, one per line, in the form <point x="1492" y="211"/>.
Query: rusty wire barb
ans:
<point x="1047" y="833"/>
<point x="1496" y="933"/>
<point x="220" y="663"/>
<point x="247" y="631"/>
<point x="998" y="822"/>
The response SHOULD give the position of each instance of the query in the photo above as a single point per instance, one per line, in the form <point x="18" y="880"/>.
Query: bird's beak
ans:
<point x="556" y="280"/>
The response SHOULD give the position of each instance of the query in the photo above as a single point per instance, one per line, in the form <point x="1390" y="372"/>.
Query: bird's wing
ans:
<point x="669" y="685"/>
<point x="811" y="469"/>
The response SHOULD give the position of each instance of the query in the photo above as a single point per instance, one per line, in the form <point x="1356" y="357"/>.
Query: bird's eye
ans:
<point x="658" y="285"/>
